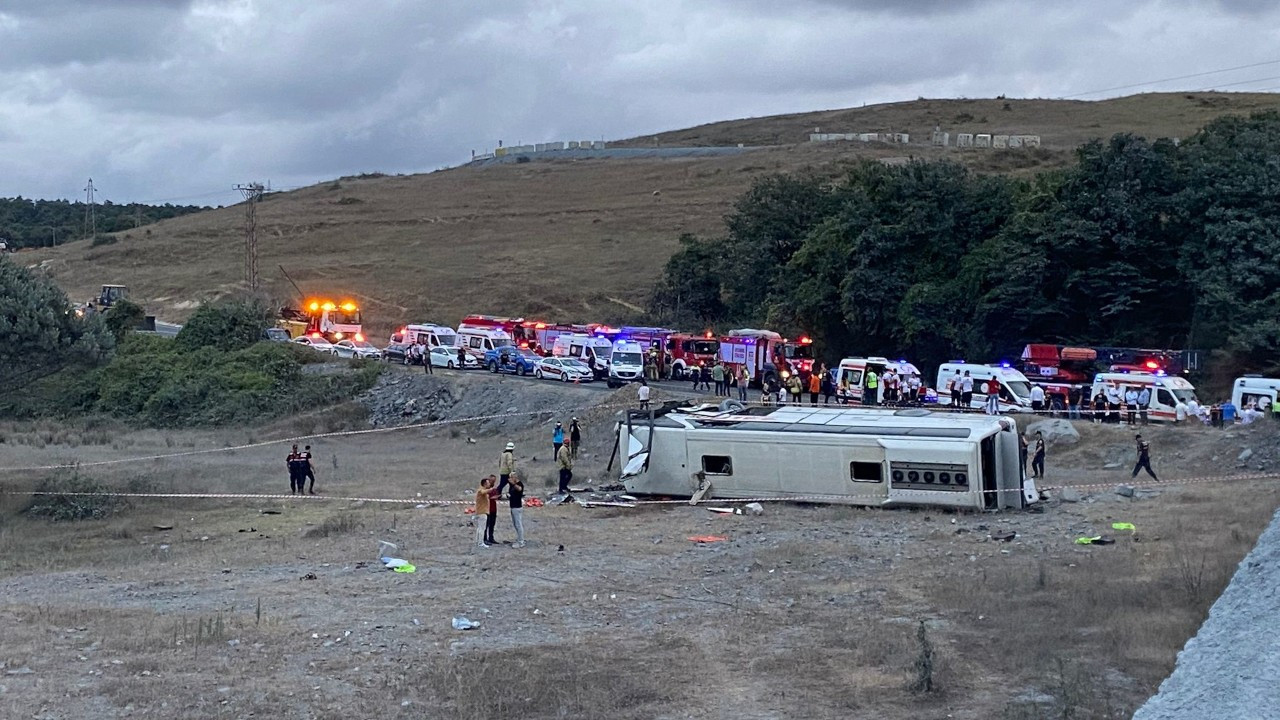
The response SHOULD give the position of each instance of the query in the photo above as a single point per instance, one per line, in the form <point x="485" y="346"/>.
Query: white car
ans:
<point x="447" y="357"/>
<point x="318" y="343"/>
<point x="563" y="369"/>
<point x="356" y="349"/>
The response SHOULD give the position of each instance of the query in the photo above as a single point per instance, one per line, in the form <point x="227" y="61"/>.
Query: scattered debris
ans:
<point x="1004" y="535"/>
<point x="725" y="510"/>
<point x="708" y="538"/>
<point x="309" y="576"/>
<point x="756" y="508"/>
<point x="1125" y="490"/>
<point x="1070" y="495"/>
<point x="1098" y="540"/>
<point x="269" y="512"/>
<point x="1123" y="526"/>
<point x="560" y="548"/>
<point x="162" y="527"/>
<point x="460" y="622"/>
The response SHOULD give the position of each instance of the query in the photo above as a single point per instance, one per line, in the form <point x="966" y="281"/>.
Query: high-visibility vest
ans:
<point x="872" y="380"/>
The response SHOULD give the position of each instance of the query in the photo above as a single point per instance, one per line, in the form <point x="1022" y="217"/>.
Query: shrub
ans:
<point x="124" y="316"/>
<point x="66" y="504"/>
<point x="227" y="325"/>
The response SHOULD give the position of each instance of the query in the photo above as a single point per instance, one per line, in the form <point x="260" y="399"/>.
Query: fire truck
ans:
<point x="686" y="352"/>
<point x="1059" y="369"/>
<point x="766" y="354"/>
<point x="323" y="318"/>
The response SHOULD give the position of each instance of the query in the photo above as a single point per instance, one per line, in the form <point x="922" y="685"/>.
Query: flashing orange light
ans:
<point x="708" y="335"/>
<point x="404" y="330"/>
<point x="359" y="337"/>
<point x="805" y="340"/>
<point x="315" y="335"/>
<point x="524" y="345"/>
<point x="1152" y="365"/>
<point x="541" y="326"/>
<point x="315" y="306"/>
<point x="349" y="306"/>
<point x="337" y="336"/>
<point x="328" y="306"/>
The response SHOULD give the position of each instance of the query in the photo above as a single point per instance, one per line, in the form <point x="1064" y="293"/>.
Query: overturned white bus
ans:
<point x="825" y="455"/>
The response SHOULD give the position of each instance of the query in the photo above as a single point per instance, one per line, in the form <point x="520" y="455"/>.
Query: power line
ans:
<point x="1171" y="79"/>
<point x="90" y="211"/>
<point x="1243" y="82"/>
<point x="252" y="192"/>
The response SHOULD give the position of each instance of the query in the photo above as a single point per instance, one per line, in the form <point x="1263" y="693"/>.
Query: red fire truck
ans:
<point x="766" y="354"/>
<point x="687" y="352"/>
<point x="1058" y="369"/>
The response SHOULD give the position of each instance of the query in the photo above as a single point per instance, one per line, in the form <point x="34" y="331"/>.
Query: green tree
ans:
<point x="123" y="317"/>
<point x="42" y="333"/>
<point x="225" y="325"/>
<point x="689" y="291"/>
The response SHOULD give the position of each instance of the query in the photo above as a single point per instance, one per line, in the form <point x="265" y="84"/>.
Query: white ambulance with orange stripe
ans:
<point x="1166" y="390"/>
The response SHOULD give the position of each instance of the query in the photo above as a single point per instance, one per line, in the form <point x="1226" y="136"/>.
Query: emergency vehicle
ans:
<point x="323" y="318"/>
<point x="478" y="340"/>
<point x="1166" y="390"/>
<point x="592" y="350"/>
<point x="1060" y="369"/>
<point x="766" y="354"/>
<point x="686" y="352"/>
<point x="1015" y="388"/>
<point x="626" y="364"/>
<point x="1249" y="389"/>
<point x="428" y="334"/>
<point x="851" y="377"/>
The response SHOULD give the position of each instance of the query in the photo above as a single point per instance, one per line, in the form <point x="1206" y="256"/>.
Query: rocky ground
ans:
<point x="278" y="608"/>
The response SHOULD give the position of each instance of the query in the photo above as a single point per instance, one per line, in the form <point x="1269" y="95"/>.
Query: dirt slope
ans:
<point x="575" y="240"/>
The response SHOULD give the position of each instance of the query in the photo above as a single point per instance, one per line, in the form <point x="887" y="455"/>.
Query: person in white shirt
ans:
<point x="643" y="394"/>
<point x="966" y="390"/>
<point x="1193" y="408"/>
<point x="1180" y="412"/>
<point x="1037" y="398"/>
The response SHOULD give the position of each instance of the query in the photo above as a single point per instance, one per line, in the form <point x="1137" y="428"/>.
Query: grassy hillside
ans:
<point x="574" y="240"/>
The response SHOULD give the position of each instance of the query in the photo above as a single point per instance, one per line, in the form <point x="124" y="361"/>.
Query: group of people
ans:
<point x="1035" y="449"/>
<point x="301" y="470"/>
<point x="727" y="381"/>
<point x="490" y="492"/>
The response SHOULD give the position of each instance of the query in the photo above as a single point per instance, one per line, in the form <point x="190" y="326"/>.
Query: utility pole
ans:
<point x="90" y="211"/>
<point x="252" y="192"/>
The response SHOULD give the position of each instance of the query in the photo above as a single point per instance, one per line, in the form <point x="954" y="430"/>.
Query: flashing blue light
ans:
<point x="902" y="361"/>
<point x="1160" y="373"/>
<point x="1004" y="364"/>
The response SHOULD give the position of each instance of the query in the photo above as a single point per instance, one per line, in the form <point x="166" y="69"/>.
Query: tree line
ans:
<point x="1141" y="244"/>
<point x="44" y="223"/>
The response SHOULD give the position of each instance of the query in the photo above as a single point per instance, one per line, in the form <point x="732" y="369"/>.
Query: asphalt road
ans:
<point x="164" y="329"/>
<point x="600" y="385"/>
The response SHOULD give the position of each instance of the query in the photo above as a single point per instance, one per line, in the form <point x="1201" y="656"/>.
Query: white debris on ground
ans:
<point x="1229" y="669"/>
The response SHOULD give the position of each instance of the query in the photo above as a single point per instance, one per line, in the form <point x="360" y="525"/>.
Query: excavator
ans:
<point x="109" y="296"/>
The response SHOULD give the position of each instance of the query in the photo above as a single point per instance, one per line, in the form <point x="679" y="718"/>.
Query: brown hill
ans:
<point x="566" y="239"/>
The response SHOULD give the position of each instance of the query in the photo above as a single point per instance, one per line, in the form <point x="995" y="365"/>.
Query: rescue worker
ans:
<point x="308" y="471"/>
<point x="717" y="375"/>
<point x="575" y="437"/>
<point x="795" y="388"/>
<point x="827" y="385"/>
<point x="557" y="440"/>
<point x="564" y="461"/>
<point x="890" y="383"/>
<point x="871" y="393"/>
<point x="815" y="387"/>
<point x="1275" y="409"/>
<point x="506" y="465"/>
<point x="294" y="463"/>
<point x="1037" y="460"/>
<point x="1144" y="458"/>
<point x="1131" y="405"/>
<point x="705" y="377"/>
<point x="695" y="372"/>
<point x="651" y="368"/>
<point x="744" y="380"/>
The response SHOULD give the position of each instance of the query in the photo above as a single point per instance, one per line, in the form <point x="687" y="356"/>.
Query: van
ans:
<point x="429" y="334"/>
<point x="851" y="378"/>
<point x="626" y="364"/>
<point x="594" y="351"/>
<point x="477" y="340"/>
<point x="1015" y="389"/>
<point x="1166" y="390"/>
<point x="1252" y="388"/>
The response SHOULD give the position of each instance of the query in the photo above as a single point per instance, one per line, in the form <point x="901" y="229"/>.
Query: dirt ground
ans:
<point x="278" y="608"/>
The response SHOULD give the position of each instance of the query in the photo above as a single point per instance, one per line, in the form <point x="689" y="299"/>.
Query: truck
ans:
<point x="839" y="455"/>
<point x="766" y="355"/>
<point x="324" y="318"/>
<point x="686" y="352"/>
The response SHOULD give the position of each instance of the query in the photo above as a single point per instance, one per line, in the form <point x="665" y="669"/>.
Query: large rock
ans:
<point x="1056" y="431"/>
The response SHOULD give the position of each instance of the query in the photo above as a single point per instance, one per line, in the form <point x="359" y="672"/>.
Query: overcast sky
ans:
<point x="178" y="100"/>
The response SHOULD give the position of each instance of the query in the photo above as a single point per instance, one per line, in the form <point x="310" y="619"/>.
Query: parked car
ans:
<point x="318" y="343"/>
<point x="275" y="334"/>
<point x="356" y="349"/>
<point x="511" y="359"/>
<point x="396" y="350"/>
<point x="447" y="357"/>
<point x="564" y="369"/>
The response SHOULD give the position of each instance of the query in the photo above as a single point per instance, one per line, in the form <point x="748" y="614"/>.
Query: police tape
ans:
<point x="807" y="497"/>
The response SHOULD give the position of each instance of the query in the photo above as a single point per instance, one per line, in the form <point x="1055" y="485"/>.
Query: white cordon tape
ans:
<point x="788" y="498"/>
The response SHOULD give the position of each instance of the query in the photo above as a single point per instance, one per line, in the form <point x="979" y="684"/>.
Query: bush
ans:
<point x="61" y="507"/>
<point x="124" y="316"/>
<point x="227" y="325"/>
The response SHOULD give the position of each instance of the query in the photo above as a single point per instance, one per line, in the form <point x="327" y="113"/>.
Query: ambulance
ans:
<point x="592" y="350"/>
<point x="1166" y="390"/>
<point x="479" y="340"/>
<point x="1015" y="389"/>
<point x="851" y="376"/>
<point x="1247" y="390"/>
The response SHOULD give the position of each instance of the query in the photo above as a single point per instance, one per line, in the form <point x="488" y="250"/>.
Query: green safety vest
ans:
<point x="872" y="381"/>
<point x="1275" y="407"/>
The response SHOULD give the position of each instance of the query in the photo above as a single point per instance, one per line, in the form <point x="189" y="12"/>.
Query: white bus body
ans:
<point x="1015" y="389"/>
<point x="831" y="455"/>
<point x="1166" y="390"/>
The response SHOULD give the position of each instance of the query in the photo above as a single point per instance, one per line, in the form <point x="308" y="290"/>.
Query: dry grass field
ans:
<point x="571" y="240"/>
<point x="805" y="611"/>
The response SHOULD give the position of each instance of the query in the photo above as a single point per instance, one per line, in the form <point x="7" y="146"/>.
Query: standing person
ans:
<point x="1037" y="460"/>
<point x="1022" y="451"/>
<point x="1037" y="398"/>
<point x="871" y="391"/>
<point x="717" y="374"/>
<point x="954" y="386"/>
<point x="462" y="359"/>
<point x="308" y="471"/>
<point x="695" y="372"/>
<point x="482" y="512"/>
<point x="1131" y="406"/>
<point x="492" y="518"/>
<point x="766" y="392"/>
<point x="643" y="394"/>
<point x="828" y="386"/>
<point x="516" y="498"/>
<point x="1144" y="402"/>
<point x="1099" y="407"/>
<point x="993" y="396"/>
<point x="1144" y="458"/>
<point x="890" y="382"/>
<point x="966" y="390"/>
<point x="575" y="437"/>
<point x="426" y="360"/>
<point x="1113" y="404"/>
<point x="916" y="389"/>
<point x="815" y="387"/>
<point x="564" y="461"/>
<point x="1275" y="409"/>
<point x="1179" y="412"/>
<point x="557" y="439"/>
<point x="1073" y="403"/>
<point x="744" y="380"/>
<point x="1228" y="413"/>
<point x="730" y="381"/>
<point x="294" y="463"/>
<point x="506" y="466"/>
<point x="705" y="376"/>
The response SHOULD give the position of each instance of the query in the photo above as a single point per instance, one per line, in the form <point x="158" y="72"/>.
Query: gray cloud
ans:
<point x="158" y="99"/>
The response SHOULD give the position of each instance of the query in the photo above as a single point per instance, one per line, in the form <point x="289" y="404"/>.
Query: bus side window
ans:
<point x="717" y="465"/>
<point x="866" y="472"/>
